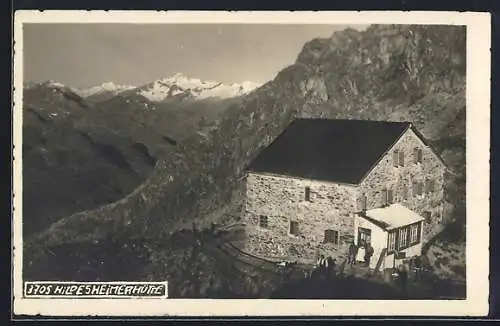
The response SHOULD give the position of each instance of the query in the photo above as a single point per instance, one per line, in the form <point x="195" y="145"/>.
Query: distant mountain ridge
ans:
<point x="193" y="88"/>
<point x="106" y="87"/>
<point x="177" y="86"/>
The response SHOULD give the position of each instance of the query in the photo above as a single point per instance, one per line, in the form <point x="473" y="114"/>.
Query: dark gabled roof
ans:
<point x="342" y="151"/>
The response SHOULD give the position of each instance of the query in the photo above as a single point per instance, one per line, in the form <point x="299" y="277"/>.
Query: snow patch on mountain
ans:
<point x="107" y="87"/>
<point x="178" y="84"/>
<point x="53" y="84"/>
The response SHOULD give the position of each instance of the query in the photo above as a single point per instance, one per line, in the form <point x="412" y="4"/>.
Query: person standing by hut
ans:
<point x="330" y="271"/>
<point x="368" y="254"/>
<point x="351" y="258"/>
<point x="361" y="253"/>
<point x="403" y="278"/>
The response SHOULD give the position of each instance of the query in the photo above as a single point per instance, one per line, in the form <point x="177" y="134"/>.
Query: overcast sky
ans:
<point x="82" y="55"/>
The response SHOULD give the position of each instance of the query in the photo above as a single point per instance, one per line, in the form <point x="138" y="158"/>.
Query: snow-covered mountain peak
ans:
<point x="108" y="87"/>
<point x="53" y="83"/>
<point x="179" y="84"/>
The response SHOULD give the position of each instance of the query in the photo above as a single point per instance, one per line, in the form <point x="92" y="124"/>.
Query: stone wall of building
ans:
<point x="282" y="199"/>
<point x="400" y="179"/>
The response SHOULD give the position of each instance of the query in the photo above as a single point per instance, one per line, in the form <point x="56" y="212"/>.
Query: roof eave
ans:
<point x="281" y="175"/>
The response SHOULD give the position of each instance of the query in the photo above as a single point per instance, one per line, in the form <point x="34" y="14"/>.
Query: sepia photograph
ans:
<point x="221" y="159"/>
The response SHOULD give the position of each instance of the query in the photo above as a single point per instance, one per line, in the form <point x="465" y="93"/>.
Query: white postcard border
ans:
<point x="477" y="153"/>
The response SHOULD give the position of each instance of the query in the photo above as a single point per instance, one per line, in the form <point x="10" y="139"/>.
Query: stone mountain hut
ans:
<point x="324" y="183"/>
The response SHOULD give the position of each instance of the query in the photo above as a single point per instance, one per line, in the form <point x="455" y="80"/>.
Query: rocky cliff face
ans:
<point x="412" y="73"/>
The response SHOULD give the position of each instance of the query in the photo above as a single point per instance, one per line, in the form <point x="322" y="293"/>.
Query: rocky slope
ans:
<point x="412" y="73"/>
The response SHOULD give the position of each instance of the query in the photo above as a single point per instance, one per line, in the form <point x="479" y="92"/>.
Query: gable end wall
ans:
<point x="385" y="175"/>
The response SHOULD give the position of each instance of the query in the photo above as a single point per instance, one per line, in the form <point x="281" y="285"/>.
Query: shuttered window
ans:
<point x="417" y="155"/>
<point x="383" y="197"/>
<point x="390" y="197"/>
<point x="429" y="185"/>
<point x="308" y="194"/>
<point x="386" y="197"/>
<point x="395" y="158"/>
<point x="362" y="203"/>
<point x="263" y="222"/>
<point x="405" y="192"/>
<point x="294" y="227"/>
<point x="331" y="236"/>
<point x="417" y="188"/>
<point x="401" y="158"/>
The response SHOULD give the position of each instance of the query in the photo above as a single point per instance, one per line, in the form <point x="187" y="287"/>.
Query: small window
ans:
<point x="395" y="158"/>
<point x="362" y="203"/>
<point x="390" y="196"/>
<point x="417" y="188"/>
<point x="427" y="216"/>
<point x="383" y="197"/>
<point x="294" y="227"/>
<point x="263" y="222"/>
<point x="405" y="192"/>
<point x="386" y="197"/>
<point x="391" y="241"/>
<point x="429" y="186"/>
<point x="417" y="155"/>
<point x="401" y="158"/>
<point x="331" y="236"/>
<point x="308" y="194"/>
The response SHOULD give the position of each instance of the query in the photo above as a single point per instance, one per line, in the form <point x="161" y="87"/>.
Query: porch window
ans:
<point x="294" y="227"/>
<point x="391" y="241"/>
<point x="403" y="238"/>
<point x="414" y="239"/>
<point x="331" y="236"/>
<point x="263" y="222"/>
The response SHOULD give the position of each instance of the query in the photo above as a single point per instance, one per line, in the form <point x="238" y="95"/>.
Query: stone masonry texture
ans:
<point x="332" y="206"/>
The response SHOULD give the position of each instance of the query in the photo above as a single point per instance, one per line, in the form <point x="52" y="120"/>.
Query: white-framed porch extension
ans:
<point x="391" y="229"/>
